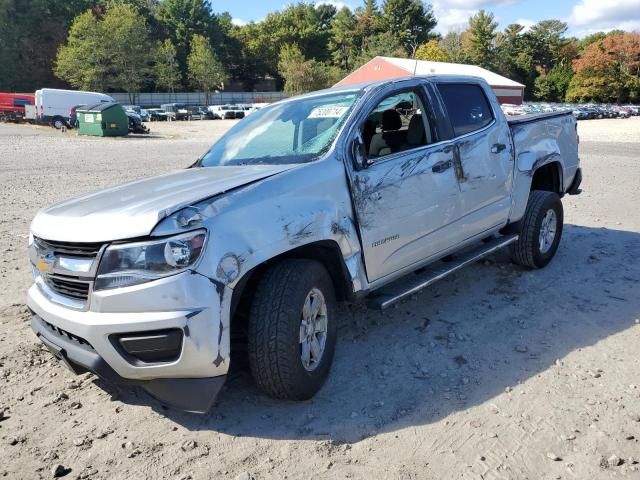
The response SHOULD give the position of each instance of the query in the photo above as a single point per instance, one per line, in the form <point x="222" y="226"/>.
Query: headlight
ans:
<point x="135" y="263"/>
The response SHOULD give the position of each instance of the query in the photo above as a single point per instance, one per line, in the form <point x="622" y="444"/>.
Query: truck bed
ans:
<point x="532" y="117"/>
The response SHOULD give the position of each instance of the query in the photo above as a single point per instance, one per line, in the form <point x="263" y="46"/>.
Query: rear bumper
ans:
<point x="574" y="188"/>
<point x="190" y="394"/>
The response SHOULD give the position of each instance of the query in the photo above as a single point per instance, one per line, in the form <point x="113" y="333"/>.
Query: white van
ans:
<point x="54" y="105"/>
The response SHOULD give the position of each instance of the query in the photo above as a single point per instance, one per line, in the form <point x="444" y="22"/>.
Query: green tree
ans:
<point x="547" y="42"/>
<point x="30" y="33"/>
<point x="432" y="51"/>
<point x="82" y="61"/>
<point x="368" y="23"/>
<point x="302" y="75"/>
<point x="481" y="39"/>
<point x="410" y="20"/>
<point x="254" y="59"/>
<point x="552" y="87"/>
<point x="181" y="20"/>
<point x="382" y="44"/>
<point x="342" y="42"/>
<point x="87" y="61"/>
<point x="452" y="45"/>
<point x="514" y="57"/>
<point x="206" y="73"/>
<point x="167" y="69"/>
<point x="146" y="8"/>
<point x="302" y="24"/>
<point x="129" y="52"/>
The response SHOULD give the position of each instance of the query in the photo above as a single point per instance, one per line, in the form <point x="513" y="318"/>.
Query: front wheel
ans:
<point x="541" y="230"/>
<point x="292" y="329"/>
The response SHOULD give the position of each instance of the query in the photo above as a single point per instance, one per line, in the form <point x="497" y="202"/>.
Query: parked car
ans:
<point x="135" y="122"/>
<point x="157" y="115"/>
<point x="581" y="114"/>
<point x="12" y="106"/>
<point x="319" y="198"/>
<point x="198" y="113"/>
<point x="227" y="112"/>
<point x="144" y="115"/>
<point x="134" y="108"/>
<point x="238" y="112"/>
<point x="53" y="105"/>
<point x="635" y="109"/>
<point x="223" y="111"/>
<point x="73" y="116"/>
<point x="214" y="112"/>
<point x="176" y="111"/>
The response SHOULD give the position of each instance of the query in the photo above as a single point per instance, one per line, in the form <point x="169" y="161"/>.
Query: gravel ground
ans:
<point x="494" y="373"/>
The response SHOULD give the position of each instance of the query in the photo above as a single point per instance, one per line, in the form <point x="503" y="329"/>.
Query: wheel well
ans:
<point x="326" y="252"/>
<point x="548" y="178"/>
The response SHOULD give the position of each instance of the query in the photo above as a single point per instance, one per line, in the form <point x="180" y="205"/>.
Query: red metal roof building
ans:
<point x="383" y="68"/>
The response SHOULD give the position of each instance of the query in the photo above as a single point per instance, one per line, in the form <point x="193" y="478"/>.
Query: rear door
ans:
<point x="406" y="198"/>
<point x="482" y="139"/>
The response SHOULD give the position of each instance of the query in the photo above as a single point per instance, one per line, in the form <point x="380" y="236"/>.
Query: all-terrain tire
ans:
<point x="274" y="345"/>
<point x="527" y="250"/>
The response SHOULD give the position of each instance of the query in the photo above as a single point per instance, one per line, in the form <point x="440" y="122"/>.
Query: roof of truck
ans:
<point x="358" y="87"/>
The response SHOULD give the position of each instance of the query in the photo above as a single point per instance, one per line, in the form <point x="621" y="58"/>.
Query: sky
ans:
<point x="583" y="16"/>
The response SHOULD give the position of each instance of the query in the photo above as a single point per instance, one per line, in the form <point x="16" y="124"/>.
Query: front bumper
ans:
<point x="190" y="394"/>
<point x="190" y="302"/>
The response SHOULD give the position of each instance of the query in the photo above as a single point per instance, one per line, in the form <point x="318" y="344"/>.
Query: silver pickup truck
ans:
<point x="372" y="191"/>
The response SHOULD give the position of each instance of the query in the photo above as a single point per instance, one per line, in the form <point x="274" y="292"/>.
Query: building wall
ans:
<point x="376" y="69"/>
<point x="148" y="100"/>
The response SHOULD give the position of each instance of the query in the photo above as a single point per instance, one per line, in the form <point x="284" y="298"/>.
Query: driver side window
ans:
<point x="397" y="124"/>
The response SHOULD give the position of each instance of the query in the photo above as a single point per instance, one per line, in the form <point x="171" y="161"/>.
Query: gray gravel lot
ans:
<point x="494" y="373"/>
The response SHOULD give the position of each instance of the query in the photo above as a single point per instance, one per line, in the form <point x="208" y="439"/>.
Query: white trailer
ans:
<point x="53" y="105"/>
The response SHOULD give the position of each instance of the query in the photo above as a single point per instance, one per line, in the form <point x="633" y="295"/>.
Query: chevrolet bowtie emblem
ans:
<point x="45" y="264"/>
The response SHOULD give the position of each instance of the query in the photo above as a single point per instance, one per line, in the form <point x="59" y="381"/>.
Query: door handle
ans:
<point x="442" y="166"/>
<point x="498" y="147"/>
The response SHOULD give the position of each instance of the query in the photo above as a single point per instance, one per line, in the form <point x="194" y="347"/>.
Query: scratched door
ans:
<point x="405" y="207"/>
<point x="408" y="195"/>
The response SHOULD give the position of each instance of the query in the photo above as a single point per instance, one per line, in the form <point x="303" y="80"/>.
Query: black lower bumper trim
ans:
<point x="195" y="395"/>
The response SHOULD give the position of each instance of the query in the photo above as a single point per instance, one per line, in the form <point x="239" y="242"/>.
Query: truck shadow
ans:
<point x="454" y="346"/>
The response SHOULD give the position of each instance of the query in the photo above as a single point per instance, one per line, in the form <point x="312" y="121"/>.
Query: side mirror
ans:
<point x="359" y="152"/>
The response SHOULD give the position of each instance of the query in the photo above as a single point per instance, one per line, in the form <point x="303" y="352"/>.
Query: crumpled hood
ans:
<point x="134" y="209"/>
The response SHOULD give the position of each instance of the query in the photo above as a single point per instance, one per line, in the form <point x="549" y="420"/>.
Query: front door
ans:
<point x="408" y="196"/>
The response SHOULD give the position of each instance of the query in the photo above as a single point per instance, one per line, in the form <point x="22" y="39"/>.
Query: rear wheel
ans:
<point x="541" y="230"/>
<point x="292" y="329"/>
<point x="58" y="122"/>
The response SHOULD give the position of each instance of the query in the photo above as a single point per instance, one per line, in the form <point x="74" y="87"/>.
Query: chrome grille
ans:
<point x="67" y="286"/>
<point x="66" y="269"/>
<point x="69" y="248"/>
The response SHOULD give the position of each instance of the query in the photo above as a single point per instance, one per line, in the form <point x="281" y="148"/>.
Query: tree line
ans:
<point x="174" y="45"/>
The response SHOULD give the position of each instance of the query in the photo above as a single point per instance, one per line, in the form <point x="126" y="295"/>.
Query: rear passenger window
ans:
<point x="467" y="106"/>
<point x="398" y="123"/>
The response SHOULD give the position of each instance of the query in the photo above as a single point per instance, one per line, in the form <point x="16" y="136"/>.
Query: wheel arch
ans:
<point x="326" y="252"/>
<point x="548" y="177"/>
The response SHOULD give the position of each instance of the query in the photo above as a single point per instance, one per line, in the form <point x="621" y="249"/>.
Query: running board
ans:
<point x="404" y="287"/>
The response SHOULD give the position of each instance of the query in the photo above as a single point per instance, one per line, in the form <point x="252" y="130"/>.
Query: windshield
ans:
<point x="297" y="131"/>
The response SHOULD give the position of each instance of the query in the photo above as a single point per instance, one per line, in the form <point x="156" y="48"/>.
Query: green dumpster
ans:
<point x="106" y="119"/>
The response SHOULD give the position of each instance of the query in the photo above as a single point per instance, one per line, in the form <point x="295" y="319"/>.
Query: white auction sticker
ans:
<point x="328" y="112"/>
